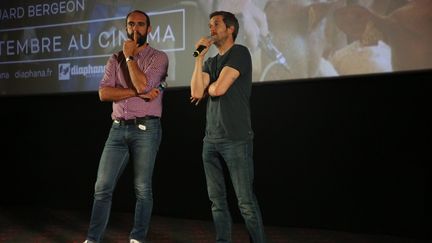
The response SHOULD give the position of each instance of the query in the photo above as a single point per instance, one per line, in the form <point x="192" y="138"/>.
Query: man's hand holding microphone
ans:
<point x="152" y="94"/>
<point x="202" y="46"/>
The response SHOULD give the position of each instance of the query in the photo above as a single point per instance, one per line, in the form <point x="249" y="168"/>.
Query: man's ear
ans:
<point x="231" y="29"/>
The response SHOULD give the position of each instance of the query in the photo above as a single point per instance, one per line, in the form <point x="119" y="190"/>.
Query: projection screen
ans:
<point x="62" y="46"/>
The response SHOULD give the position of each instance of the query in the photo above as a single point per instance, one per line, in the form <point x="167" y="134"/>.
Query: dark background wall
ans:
<point x="348" y="153"/>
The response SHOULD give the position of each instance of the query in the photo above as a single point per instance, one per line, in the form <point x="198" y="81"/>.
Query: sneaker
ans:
<point x="88" y="241"/>
<point x="134" y="241"/>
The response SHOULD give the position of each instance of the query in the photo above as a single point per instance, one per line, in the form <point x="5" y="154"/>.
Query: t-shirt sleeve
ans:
<point x="240" y="59"/>
<point x="206" y="66"/>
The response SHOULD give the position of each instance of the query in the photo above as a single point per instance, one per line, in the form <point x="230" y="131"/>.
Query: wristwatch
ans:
<point x="129" y="58"/>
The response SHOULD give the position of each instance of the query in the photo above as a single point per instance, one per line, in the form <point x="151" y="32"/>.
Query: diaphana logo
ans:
<point x="64" y="71"/>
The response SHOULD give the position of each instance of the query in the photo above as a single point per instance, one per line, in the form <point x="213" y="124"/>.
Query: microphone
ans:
<point x="199" y="50"/>
<point x="161" y="88"/>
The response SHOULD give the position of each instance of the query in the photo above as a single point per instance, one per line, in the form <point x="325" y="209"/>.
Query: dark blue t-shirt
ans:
<point x="228" y="116"/>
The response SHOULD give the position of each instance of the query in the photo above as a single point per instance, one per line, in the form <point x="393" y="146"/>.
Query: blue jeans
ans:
<point x="141" y="146"/>
<point x="238" y="158"/>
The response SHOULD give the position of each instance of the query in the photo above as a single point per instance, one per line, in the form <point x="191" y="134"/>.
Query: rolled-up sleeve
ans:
<point x="110" y="74"/>
<point x="156" y="71"/>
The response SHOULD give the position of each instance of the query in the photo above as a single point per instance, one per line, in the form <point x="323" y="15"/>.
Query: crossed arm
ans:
<point x="201" y="86"/>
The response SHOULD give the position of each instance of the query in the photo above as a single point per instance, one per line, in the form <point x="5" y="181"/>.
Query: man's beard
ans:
<point x="142" y="39"/>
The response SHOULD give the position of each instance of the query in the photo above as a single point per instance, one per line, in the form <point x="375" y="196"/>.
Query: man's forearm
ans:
<point x="116" y="94"/>
<point x="139" y="79"/>
<point x="198" y="85"/>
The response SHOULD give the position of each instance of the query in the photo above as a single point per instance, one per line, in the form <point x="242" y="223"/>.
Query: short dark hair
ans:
<point x="141" y="12"/>
<point x="229" y="19"/>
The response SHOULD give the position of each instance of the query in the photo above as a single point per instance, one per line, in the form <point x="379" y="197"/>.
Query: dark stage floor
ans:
<point x="25" y="225"/>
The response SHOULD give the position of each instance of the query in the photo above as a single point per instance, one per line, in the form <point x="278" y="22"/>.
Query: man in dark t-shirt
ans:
<point x="228" y="116"/>
<point x="227" y="80"/>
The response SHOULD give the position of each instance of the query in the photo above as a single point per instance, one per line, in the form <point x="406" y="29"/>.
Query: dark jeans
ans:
<point x="126" y="141"/>
<point x="238" y="158"/>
